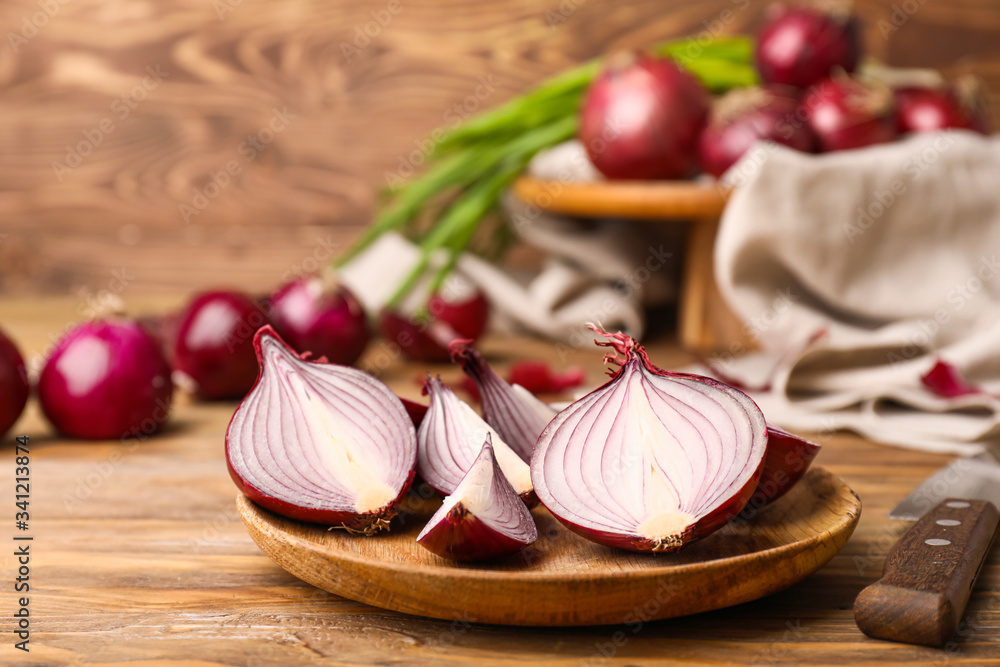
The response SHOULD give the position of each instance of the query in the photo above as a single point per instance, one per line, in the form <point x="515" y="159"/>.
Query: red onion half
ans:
<point x="14" y="388"/>
<point x="451" y="436"/>
<point x="427" y="338"/>
<point x="483" y="517"/>
<point x="326" y="319"/>
<point x="744" y="116"/>
<point x="516" y="414"/>
<point x="652" y="460"/>
<point x="106" y="379"/>
<point x="214" y="343"/>
<point x="846" y="113"/>
<point x="641" y="118"/>
<point x="799" y="46"/>
<point x="320" y="442"/>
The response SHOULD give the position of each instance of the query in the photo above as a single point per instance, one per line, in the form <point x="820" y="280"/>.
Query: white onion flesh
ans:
<point x="451" y="437"/>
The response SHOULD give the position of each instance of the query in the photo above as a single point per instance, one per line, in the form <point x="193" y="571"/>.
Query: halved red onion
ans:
<point x="320" y="442"/>
<point x="787" y="460"/>
<point x="451" y="436"/>
<point x="516" y="414"/>
<point x="652" y="460"/>
<point x="483" y="517"/>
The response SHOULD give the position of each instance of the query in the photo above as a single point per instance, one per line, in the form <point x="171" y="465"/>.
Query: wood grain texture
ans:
<point x="563" y="579"/>
<point x="929" y="575"/>
<point x="358" y="116"/>
<point x="141" y="556"/>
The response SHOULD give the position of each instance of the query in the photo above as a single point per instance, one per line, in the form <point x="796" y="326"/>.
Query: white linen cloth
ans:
<point x="892" y="255"/>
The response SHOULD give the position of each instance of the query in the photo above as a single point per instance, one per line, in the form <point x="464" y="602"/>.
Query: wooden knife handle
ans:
<point x="929" y="575"/>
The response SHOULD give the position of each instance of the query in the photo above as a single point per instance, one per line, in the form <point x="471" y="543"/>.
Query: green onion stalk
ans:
<point x="476" y="161"/>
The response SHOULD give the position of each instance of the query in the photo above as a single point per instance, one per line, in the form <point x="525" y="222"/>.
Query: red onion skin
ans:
<point x="931" y="109"/>
<point x="839" y="119"/>
<point x="106" y="379"/>
<point x="641" y="118"/>
<point x="539" y="378"/>
<point x="944" y="380"/>
<point x="363" y="523"/>
<point x="14" y="387"/>
<point x="468" y="317"/>
<point x="464" y="537"/>
<point x="787" y="460"/>
<point x="725" y="140"/>
<point x="328" y="323"/>
<point x="428" y="341"/>
<point x="214" y="344"/>
<point x="799" y="46"/>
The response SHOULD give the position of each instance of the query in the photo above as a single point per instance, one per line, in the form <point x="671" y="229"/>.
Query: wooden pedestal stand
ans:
<point x="705" y="321"/>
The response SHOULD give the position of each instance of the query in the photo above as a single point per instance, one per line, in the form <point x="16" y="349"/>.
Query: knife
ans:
<point x="930" y="572"/>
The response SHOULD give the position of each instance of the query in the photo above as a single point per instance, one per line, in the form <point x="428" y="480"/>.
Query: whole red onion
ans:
<point x="324" y="319"/>
<point x="846" y="113"/>
<point x="448" y="319"/>
<point x="747" y="115"/>
<point x="14" y="388"/>
<point x="641" y="119"/>
<point x="800" y="46"/>
<point x="106" y="379"/>
<point x="930" y="109"/>
<point x="214" y="343"/>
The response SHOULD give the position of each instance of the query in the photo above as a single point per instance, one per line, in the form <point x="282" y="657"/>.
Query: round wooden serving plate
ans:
<point x="634" y="200"/>
<point x="564" y="579"/>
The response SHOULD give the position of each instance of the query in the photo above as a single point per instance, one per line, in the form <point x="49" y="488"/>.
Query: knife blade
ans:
<point x="930" y="572"/>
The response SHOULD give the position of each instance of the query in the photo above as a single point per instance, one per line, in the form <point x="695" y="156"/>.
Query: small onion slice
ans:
<point x="651" y="460"/>
<point x="787" y="460"/>
<point x="320" y="442"/>
<point x="516" y="414"/>
<point x="450" y="438"/>
<point x="483" y="518"/>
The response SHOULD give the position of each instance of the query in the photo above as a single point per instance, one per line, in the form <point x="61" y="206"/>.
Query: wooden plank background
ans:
<point x="131" y="147"/>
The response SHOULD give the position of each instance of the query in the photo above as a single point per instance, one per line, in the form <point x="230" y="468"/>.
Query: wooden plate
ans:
<point x="564" y="579"/>
<point x="636" y="200"/>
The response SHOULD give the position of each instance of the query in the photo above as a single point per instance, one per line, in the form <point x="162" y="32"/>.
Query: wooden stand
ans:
<point x="705" y="321"/>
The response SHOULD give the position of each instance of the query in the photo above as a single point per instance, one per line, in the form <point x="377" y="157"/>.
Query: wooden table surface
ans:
<point x="139" y="558"/>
